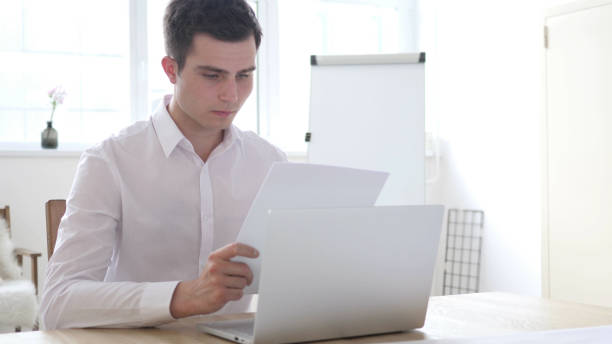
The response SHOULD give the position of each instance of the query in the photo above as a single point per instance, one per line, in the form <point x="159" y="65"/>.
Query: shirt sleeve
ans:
<point x="75" y="294"/>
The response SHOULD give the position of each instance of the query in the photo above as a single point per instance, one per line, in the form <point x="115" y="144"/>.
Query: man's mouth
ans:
<point x="223" y="113"/>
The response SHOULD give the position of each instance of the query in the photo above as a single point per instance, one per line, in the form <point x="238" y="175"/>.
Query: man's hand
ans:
<point x="221" y="281"/>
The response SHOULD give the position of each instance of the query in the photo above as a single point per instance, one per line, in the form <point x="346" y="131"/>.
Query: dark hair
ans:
<point x="225" y="20"/>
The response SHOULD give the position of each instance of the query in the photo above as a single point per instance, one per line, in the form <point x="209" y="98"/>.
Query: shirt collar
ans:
<point x="231" y="136"/>
<point x="170" y="135"/>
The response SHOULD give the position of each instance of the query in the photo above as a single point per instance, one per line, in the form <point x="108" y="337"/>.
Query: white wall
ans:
<point x="485" y="100"/>
<point x="27" y="182"/>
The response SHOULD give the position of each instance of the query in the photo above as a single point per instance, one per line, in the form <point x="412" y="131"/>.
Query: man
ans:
<point x="150" y="224"/>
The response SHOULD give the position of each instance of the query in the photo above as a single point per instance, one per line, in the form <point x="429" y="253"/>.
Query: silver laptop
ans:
<point x="341" y="272"/>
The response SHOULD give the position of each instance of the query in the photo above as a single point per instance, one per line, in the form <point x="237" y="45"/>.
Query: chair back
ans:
<point x="5" y="213"/>
<point x="54" y="210"/>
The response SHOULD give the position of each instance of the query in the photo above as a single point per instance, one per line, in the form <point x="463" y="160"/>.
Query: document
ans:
<point x="296" y="185"/>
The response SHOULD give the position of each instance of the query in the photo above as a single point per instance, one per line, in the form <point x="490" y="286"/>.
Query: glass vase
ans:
<point x="48" y="137"/>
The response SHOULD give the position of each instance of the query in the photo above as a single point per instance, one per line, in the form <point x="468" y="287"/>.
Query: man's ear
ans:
<point x="170" y="68"/>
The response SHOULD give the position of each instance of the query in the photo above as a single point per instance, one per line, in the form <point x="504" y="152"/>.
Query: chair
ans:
<point x="54" y="210"/>
<point x="22" y="252"/>
<point x="18" y="306"/>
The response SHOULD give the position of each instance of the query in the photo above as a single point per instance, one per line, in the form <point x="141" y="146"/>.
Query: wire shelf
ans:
<point x="463" y="251"/>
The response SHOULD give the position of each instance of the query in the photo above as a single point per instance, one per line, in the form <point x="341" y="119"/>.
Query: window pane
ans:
<point x="11" y="19"/>
<point x="49" y="27"/>
<point x="11" y="125"/>
<point x="80" y="49"/>
<point x="356" y="28"/>
<point x="11" y="93"/>
<point x="100" y="86"/>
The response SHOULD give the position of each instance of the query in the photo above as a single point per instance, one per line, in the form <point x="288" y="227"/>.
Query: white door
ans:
<point x="578" y="179"/>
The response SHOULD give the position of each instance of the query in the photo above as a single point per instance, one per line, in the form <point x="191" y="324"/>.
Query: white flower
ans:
<point x="57" y="95"/>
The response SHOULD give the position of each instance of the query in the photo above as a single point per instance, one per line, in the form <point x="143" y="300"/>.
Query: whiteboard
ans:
<point x="368" y="112"/>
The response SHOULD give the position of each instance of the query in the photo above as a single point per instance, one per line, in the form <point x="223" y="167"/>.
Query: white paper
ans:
<point x="293" y="185"/>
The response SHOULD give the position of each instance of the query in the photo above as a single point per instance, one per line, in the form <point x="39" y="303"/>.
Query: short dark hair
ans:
<point x="225" y="20"/>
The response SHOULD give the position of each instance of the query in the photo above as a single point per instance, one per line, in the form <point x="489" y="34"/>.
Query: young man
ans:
<point x="151" y="220"/>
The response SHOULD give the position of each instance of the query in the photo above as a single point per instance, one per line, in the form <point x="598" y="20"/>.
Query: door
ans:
<point x="578" y="163"/>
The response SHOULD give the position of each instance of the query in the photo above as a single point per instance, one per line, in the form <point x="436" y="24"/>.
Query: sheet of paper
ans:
<point x="591" y="335"/>
<point x="294" y="185"/>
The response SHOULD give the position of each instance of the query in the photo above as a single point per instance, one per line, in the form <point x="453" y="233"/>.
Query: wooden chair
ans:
<point x="54" y="210"/>
<point x="22" y="252"/>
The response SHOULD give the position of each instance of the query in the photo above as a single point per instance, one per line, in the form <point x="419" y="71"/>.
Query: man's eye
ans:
<point x="211" y="76"/>
<point x="244" y="76"/>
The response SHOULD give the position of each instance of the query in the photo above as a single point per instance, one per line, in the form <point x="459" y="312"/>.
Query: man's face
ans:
<point x="216" y="80"/>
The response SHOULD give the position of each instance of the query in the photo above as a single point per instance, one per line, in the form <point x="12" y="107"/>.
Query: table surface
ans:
<point x="456" y="316"/>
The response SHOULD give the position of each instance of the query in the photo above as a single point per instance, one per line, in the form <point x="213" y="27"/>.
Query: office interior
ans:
<point x="485" y="106"/>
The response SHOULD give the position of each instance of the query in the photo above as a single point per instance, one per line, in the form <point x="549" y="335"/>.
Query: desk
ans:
<point x="467" y="315"/>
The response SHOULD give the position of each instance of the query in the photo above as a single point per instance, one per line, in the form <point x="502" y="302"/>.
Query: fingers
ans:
<point x="227" y="281"/>
<point x="231" y="269"/>
<point x="233" y="294"/>
<point x="222" y="296"/>
<point x="222" y="279"/>
<point x="234" y="282"/>
<point x="234" y="250"/>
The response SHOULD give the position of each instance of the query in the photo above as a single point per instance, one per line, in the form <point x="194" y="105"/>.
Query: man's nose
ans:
<point x="229" y="91"/>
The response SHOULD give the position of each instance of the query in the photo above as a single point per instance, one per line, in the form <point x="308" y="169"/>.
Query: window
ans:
<point x="112" y="72"/>
<point x="43" y="45"/>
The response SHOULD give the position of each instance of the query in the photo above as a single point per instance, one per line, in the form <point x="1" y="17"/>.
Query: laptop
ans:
<point x="341" y="272"/>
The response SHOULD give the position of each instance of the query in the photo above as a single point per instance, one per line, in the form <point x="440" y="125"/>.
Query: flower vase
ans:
<point x="48" y="137"/>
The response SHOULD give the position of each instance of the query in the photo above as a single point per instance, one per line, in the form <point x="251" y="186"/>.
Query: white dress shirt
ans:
<point x="143" y="214"/>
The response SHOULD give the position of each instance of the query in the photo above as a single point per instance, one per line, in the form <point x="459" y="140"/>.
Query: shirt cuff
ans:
<point x="155" y="301"/>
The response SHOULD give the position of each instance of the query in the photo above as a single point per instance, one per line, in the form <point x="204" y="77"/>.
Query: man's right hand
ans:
<point x="221" y="281"/>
